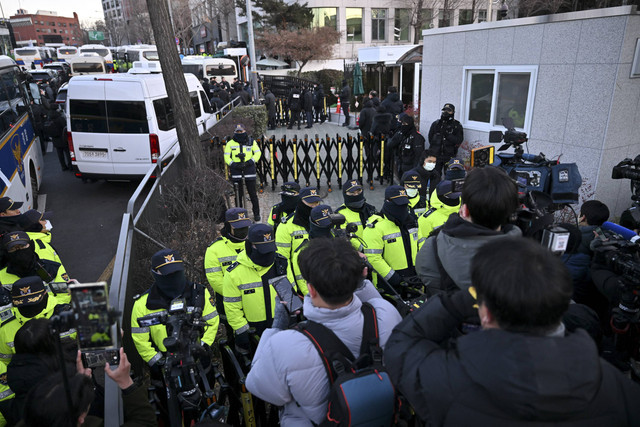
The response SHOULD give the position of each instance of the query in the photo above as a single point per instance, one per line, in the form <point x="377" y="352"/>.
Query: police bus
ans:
<point x="20" y="154"/>
<point x="101" y="50"/>
<point x="65" y="53"/>
<point x="29" y="55"/>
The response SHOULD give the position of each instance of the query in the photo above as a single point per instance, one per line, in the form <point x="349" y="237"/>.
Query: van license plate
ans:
<point x="94" y="154"/>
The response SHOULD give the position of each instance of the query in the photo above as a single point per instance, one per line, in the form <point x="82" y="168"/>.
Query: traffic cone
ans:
<point x="338" y="107"/>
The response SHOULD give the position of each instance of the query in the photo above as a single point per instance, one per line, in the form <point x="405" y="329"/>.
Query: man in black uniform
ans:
<point x="308" y="107"/>
<point x="445" y="136"/>
<point x="295" y="105"/>
<point x="345" y="99"/>
<point x="409" y="144"/>
<point x="270" y="103"/>
<point x="318" y="103"/>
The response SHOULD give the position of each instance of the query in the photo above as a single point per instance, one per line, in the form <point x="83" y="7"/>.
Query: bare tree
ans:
<point x="218" y="12"/>
<point x="182" y="24"/>
<point x="116" y="31"/>
<point x="421" y="9"/>
<point x="138" y="22"/>
<point x="176" y="84"/>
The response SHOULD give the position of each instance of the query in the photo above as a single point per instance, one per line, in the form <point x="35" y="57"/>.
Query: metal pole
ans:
<point x="252" y="54"/>
<point x="489" y="10"/>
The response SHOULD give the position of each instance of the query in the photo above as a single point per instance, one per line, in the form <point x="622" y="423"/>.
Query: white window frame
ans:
<point x="468" y="71"/>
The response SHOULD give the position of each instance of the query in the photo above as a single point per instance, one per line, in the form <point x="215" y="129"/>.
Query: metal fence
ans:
<point x="320" y="161"/>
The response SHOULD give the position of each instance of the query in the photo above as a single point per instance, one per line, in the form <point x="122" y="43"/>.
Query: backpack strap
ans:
<point x="333" y="351"/>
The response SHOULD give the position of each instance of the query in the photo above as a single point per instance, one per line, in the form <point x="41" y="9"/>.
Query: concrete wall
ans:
<point x="586" y="108"/>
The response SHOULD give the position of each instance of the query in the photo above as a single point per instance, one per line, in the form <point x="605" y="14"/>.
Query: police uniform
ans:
<point x="360" y="216"/>
<point x="242" y="159"/>
<point x="411" y="181"/>
<point x="292" y="232"/>
<point x="224" y="251"/>
<point x="249" y="295"/>
<point x="148" y="340"/>
<point x="385" y="243"/>
<point x="27" y="292"/>
<point x="53" y="268"/>
<point x="279" y="212"/>
<point x="439" y="213"/>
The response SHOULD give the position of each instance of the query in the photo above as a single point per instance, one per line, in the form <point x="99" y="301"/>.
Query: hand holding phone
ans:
<point x="284" y="289"/>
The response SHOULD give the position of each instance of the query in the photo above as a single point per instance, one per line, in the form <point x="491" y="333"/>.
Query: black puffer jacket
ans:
<point x="393" y="104"/>
<point x="498" y="378"/>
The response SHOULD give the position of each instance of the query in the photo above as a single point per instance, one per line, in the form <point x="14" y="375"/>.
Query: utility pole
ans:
<point x="176" y="85"/>
<point x="252" y="54"/>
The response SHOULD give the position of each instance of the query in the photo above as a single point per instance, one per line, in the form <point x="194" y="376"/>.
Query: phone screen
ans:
<point x="285" y="292"/>
<point x="91" y="306"/>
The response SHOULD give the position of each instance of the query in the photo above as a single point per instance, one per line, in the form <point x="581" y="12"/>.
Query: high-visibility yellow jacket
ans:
<point x="433" y="218"/>
<point x="385" y="249"/>
<point x="289" y="236"/>
<point x="149" y="339"/>
<point x="13" y="320"/>
<point x="218" y="257"/>
<point x="247" y="302"/>
<point x="232" y="158"/>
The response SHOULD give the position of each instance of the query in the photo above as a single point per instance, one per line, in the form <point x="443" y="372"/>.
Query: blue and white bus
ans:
<point x="100" y="50"/>
<point x="26" y="56"/>
<point x="20" y="154"/>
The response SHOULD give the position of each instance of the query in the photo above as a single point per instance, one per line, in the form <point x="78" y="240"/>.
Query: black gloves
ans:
<point x="242" y="343"/>
<point x="395" y="280"/>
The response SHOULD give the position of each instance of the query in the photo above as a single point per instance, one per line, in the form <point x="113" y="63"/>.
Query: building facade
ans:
<point x="45" y="27"/>
<point x="115" y="23"/>
<point x="566" y="80"/>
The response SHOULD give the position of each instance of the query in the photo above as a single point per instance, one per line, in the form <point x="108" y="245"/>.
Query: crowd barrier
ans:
<point x="327" y="161"/>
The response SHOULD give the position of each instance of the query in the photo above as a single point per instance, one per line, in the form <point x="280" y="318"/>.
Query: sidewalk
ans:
<point x="334" y="198"/>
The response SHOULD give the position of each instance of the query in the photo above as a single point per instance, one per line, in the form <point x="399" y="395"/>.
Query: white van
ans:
<point x="210" y="67"/>
<point x="87" y="63"/>
<point x="121" y="124"/>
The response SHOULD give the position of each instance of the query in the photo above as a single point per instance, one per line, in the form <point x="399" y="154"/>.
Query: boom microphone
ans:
<point x="629" y="235"/>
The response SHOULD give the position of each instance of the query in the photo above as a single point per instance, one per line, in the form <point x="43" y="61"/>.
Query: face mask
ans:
<point x="405" y="127"/>
<point x="48" y="226"/>
<point x="171" y="285"/>
<point x="446" y="116"/>
<point x="399" y="212"/>
<point x="429" y="166"/>
<point x="455" y="174"/>
<point x="412" y="192"/>
<point x="263" y="260"/>
<point x="240" y="137"/>
<point x="315" y="231"/>
<point x="302" y="213"/>
<point x="289" y="202"/>
<point x="240" y="233"/>
<point x="22" y="260"/>
<point x="354" y="202"/>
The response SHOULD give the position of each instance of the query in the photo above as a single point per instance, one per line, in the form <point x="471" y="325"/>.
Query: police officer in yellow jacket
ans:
<point x="38" y="227"/>
<point x="241" y="155"/>
<point x="169" y="283"/>
<point x="23" y="261"/>
<point x="411" y="183"/>
<point x="292" y="232"/>
<point x="355" y="208"/>
<point x="392" y="238"/>
<point x="444" y="202"/>
<point x="225" y="249"/>
<point x="290" y="195"/>
<point x="249" y="296"/>
<point x="30" y="300"/>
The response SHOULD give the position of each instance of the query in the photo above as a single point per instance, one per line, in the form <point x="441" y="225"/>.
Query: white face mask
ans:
<point x="429" y="166"/>
<point x="48" y="226"/>
<point x="412" y="192"/>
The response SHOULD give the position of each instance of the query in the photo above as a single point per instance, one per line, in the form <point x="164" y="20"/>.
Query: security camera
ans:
<point x="502" y="12"/>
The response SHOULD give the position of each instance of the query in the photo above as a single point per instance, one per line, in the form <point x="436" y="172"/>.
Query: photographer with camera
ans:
<point x="242" y="154"/>
<point x="445" y="136"/>
<point x="170" y="283"/>
<point x="391" y="238"/>
<point x="249" y="296"/>
<point x="488" y="198"/>
<point x="522" y="368"/>
<point x="287" y="370"/>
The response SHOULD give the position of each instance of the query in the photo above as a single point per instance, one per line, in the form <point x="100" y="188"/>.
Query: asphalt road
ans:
<point x="86" y="218"/>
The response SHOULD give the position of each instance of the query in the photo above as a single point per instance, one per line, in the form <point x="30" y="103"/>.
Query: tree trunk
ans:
<point x="175" y="83"/>
<point x="418" y="25"/>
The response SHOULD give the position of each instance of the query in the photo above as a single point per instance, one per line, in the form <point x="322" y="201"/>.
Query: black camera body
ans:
<point x="627" y="169"/>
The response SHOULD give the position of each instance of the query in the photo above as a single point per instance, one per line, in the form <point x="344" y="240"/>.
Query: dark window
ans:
<point x="88" y="116"/>
<point x="127" y="117"/>
<point x="195" y="103"/>
<point x="164" y="114"/>
<point x="221" y="70"/>
<point x="134" y="55"/>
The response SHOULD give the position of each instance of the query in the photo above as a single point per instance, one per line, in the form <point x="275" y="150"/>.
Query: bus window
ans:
<point x="87" y="67"/>
<point x="151" y="55"/>
<point x="221" y="70"/>
<point x="10" y="100"/>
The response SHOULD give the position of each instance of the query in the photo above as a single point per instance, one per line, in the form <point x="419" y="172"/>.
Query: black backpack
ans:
<point x="361" y="392"/>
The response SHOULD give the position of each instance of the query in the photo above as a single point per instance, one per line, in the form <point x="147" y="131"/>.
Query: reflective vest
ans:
<point x="5" y="391"/>
<point x="415" y="201"/>
<point x="433" y="218"/>
<point x="385" y="248"/>
<point x="232" y="149"/>
<point x="12" y="320"/>
<point x="218" y="257"/>
<point x="7" y="280"/>
<point x="289" y="237"/>
<point x="246" y="303"/>
<point x="354" y="217"/>
<point x="149" y="339"/>
<point x="43" y="246"/>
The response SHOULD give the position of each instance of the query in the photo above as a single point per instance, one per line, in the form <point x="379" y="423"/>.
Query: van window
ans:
<point x="205" y="102"/>
<point x="87" y="67"/>
<point x="221" y="70"/>
<point x="196" y="103"/>
<point x="164" y="114"/>
<point x="88" y="116"/>
<point x="195" y="69"/>
<point x="151" y="55"/>
<point x="127" y="117"/>
<point x="134" y="55"/>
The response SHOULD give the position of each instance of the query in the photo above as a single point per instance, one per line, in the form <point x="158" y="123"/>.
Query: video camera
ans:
<point x="184" y="369"/>
<point x="511" y="138"/>
<point x="630" y="169"/>
<point x="620" y="249"/>
<point x="627" y="169"/>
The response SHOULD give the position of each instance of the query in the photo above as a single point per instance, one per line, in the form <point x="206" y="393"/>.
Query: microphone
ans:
<point x="629" y="235"/>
